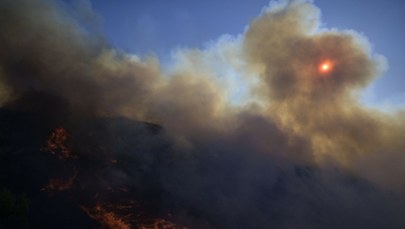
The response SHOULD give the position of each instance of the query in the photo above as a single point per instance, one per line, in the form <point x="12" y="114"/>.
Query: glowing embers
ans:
<point x="160" y="224"/>
<point x="126" y="216"/>
<point x="57" y="144"/>
<point x="107" y="218"/>
<point x="60" y="184"/>
<point x="325" y="67"/>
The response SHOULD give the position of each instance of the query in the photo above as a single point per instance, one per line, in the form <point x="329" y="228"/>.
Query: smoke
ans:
<point x="285" y="47"/>
<point x="229" y="155"/>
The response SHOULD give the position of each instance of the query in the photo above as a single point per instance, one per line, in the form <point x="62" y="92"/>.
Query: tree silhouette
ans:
<point x="13" y="209"/>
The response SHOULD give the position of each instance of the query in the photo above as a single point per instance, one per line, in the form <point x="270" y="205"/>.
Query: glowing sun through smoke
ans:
<point x="325" y="67"/>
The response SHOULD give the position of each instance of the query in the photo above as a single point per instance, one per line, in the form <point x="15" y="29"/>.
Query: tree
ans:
<point x="13" y="209"/>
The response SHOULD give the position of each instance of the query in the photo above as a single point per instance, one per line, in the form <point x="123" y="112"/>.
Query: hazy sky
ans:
<point x="153" y="26"/>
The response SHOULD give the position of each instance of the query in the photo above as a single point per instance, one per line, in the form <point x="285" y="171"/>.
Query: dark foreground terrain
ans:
<point x="118" y="173"/>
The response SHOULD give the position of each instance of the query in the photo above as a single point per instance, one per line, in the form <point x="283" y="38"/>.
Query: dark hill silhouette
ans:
<point x="94" y="172"/>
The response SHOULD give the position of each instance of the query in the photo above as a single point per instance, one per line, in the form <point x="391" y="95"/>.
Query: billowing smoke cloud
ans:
<point x="286" y="47"/>
<point x="235" y="166"/>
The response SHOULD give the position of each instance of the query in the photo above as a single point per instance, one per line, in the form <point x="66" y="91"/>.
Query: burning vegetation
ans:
<point x="59" y="184"/>
<point x="58" y="144"/>
<point x="160" y="224"/>
<point x="106" y="218"/>
<point x="124" y="216"/>
<point x="110" y="203"/>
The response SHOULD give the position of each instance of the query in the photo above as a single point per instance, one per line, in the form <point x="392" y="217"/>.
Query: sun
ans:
<point x="325" y="66"/>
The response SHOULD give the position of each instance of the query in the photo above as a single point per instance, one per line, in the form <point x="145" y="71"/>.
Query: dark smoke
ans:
<point x="302" y="153"/>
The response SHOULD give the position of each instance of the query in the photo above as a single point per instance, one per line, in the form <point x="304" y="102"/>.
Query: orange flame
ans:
<point x="106" y="218"/>
<point x="113" y="216"/>
<point x="57" y="144"/>
<point x="161" y="224"/>
<point x="57" y="184"/>
<point x="109" y="215"/>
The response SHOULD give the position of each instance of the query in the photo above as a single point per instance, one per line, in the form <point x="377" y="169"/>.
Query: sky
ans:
<point x="159" y="27"/>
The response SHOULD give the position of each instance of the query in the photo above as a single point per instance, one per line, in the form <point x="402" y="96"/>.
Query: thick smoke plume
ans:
<point x="227" y="156"/>
<point x="286" y="46"/>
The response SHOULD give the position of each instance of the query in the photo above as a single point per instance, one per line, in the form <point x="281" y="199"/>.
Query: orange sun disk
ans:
<point x="325" y="67"/>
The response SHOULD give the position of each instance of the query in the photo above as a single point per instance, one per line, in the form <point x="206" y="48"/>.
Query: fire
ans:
<point x="106" y="218"/>
<point x="121" y="216"/>
<point x="57" y="144"/>
<point x="161" y="224"/>
<point x="112" y="208"/>
<point x="325" y="67"/>
<point x="117" y="215"/>
<point x="57" y="184"/>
